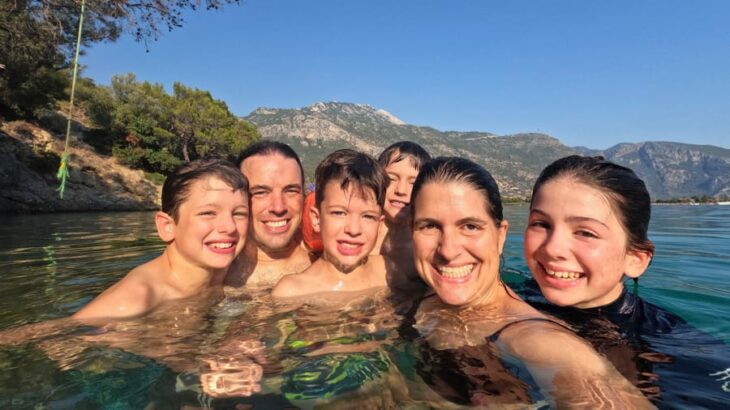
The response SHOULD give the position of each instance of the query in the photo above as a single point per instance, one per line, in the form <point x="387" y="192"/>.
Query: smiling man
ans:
<point x="276" y="189"/>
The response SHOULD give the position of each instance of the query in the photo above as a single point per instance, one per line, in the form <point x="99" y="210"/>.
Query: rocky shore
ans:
<point x="29" y="159"/>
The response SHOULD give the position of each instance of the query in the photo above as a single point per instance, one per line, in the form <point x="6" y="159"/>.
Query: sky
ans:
<point x="591" y="73"/>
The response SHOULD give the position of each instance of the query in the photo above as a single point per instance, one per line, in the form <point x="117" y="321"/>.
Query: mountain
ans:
<point x="670" y="169"/>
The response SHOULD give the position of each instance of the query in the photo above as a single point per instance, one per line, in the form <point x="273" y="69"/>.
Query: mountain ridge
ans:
<point x="670" y="169"/>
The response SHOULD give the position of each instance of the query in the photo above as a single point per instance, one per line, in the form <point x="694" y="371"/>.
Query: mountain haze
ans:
<point x="669" y="169"/>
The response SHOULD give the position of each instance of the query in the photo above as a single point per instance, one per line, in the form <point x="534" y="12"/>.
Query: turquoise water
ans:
<point x="54" y="264"/>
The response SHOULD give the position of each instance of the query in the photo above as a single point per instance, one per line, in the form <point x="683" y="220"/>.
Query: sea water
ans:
<point x="53" y="264"/>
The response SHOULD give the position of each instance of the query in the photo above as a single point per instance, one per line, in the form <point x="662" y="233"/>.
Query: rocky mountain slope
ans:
<point x="29" y="157"/>
<point x="670" y="169"/>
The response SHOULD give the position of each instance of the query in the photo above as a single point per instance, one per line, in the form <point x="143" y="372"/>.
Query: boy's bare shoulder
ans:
<point x="133" y="295"/>
<point x="297" y="284"/>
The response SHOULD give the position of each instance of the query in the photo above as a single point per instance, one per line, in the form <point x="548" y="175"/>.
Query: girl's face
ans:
<point x="456" y="243"/>
<point x="402" y="175"/>
<point x="576" y="247"/>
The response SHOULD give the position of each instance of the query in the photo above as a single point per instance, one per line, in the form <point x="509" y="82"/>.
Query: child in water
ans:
<point x="401" y="161"/>
<point x="347" y="214"/>
<point x="587" y="231"/>
<point x="203" y="220"/>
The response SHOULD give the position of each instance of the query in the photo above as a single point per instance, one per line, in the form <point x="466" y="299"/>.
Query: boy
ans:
<point x="401" y="161"/>
<point x="204" y="220"/>
<point x="347" y="213"/>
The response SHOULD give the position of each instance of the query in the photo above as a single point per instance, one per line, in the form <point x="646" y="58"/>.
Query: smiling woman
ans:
<point x="458" y="236"/>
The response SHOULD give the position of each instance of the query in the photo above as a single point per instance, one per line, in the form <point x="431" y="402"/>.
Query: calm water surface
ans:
<point x="54" y="264"/>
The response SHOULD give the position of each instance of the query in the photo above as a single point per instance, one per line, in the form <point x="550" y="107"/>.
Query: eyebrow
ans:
<point x="572" y="218"/>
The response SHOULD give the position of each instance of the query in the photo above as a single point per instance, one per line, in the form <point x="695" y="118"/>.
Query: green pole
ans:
<point x="62" y="173"/>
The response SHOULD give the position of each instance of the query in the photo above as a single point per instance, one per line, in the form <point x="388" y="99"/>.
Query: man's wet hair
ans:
<point x="270" y="148"/>
<point x="401" y="150"/>
<point x="625" y="191"/>
<point x="352" y="169"/>
<point x="176" y="188"/>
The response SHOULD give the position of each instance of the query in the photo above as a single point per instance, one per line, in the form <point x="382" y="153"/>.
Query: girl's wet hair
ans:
<point x="625" y="191"/>
<point x="454" y="169"/>
<point x="176" y="188"/>
<point x="401" y="150"/>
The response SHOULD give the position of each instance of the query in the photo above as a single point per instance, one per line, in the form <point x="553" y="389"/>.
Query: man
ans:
<point x="276" y="191"/>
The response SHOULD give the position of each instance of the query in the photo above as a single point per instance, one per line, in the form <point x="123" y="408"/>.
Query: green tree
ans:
<point x="37" y="38"/>
<point x="204" y="126"/>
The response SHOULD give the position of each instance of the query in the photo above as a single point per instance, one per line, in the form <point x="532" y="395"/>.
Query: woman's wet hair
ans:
<point x="176" y="188"/>
<point x="625" y="191"/>
<point x="351" y="169"/>
<point x="401" y="150"/>
<point x="454" y="169"/>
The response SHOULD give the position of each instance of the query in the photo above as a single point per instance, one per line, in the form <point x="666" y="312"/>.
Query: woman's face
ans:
<point x="576" y="247"/>
<point x="456" y="243"/>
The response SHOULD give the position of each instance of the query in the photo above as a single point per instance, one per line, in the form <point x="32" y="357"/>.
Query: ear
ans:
<point x="636" y="262"/>
<point x="314" y="217"/>
<point x="502" y="234"/>
<point x="165" y="226"/>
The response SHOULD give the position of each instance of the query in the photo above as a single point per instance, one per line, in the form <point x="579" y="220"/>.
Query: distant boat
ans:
<point x="723" y="203"/>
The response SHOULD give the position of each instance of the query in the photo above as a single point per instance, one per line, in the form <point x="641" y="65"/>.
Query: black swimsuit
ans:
<point x="671" y="361"/>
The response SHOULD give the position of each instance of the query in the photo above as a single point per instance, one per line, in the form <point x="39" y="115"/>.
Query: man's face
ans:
<point x="277" y="199"/>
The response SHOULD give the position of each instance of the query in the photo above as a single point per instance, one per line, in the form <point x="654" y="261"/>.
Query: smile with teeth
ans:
<point x="398" y="204"/>
<point x="455" y="271"/>
<point x="222" y="245"/>
<point x="349" y="245"/>
<point x="563" y="275"/>
<point x="276" y="224"/>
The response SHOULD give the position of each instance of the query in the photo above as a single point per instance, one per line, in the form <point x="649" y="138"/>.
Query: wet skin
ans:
<point x="576" y="247"/>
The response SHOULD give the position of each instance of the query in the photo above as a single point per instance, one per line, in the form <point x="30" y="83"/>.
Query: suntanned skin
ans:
<point x="457" y="246"/>
<point x="394" y="237"/>
<point x="348" y="221"/>
<point x="272" y="251"/>
<point x="208" y="234"/>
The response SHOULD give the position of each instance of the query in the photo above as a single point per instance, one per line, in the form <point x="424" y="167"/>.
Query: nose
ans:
<point x="278" y="204"/>
<point x="554" y="245"/>
<point x="449" y="246"/>
<point x="226" y="224"/>
<point x="352" y="225"/>
<point x="401" y="187"/>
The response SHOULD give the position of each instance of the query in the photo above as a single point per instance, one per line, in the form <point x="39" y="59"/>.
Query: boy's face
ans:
<point x="212" y="223"/>
<point x="277" y="198"/>
<point x="348" y="224"/>
<point x="401" y="176"/>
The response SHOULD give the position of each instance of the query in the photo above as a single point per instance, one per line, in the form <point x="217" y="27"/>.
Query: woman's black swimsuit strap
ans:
<point x="495" y="335"/>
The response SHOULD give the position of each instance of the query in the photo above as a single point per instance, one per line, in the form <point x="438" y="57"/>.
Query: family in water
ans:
<point x="431" y="232"/>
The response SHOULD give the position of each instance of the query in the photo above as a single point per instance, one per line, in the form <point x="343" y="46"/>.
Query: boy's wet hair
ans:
<point x="270" y="148"/>
<point x="461" y="170"/>
<point x="625" y="191"/>
<point x="401" y="150"/>
<point x="177" y="186"/>
<point x="351" y="168"/>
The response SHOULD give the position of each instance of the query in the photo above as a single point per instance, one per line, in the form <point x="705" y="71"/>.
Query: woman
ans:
<point x="458" y="236"/>
<point x="587" y="232"/>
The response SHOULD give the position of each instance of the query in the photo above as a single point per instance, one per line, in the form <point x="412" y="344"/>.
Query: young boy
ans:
<point x="204" y="220"/>
<point x="401" y="161"/>
<point x="347" y="213"/>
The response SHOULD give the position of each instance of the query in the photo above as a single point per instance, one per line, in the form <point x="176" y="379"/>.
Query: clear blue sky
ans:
<point x="588" y="72"/>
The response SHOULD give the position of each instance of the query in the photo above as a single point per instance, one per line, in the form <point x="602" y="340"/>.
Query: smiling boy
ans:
<point x="347" y="214"/>
<point x="204" y="219"/>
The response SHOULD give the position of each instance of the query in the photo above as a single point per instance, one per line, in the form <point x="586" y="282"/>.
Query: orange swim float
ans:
<point x="312" y="239"/>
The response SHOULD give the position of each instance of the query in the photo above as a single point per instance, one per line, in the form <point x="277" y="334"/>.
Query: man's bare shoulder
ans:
<point x="134" y="295"/>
